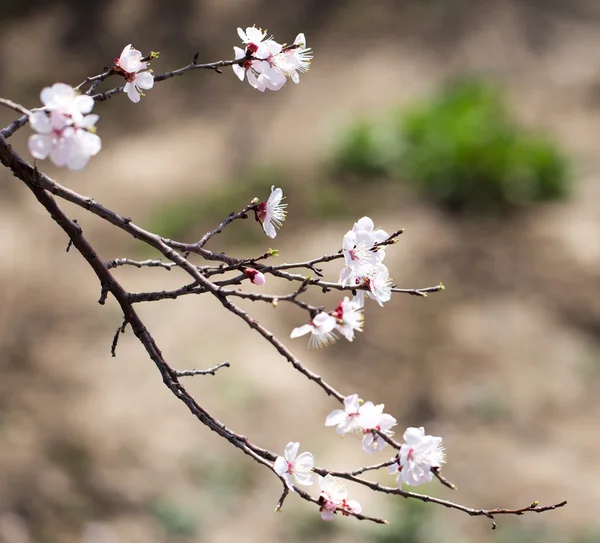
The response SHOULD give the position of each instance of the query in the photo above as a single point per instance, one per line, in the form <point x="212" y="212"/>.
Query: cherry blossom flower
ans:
<point x="380" y="284"/>
<point x="347" y="419"/>
<point x="255" y="276"/>
<point x="253" y="39"/>
<point x="349" y="317"/>
<point x="360" y="252"/>
<point x="298" y="466"/>
<point x="293" y="59"/>
<point x="64" y="99"/>
<point x="418" y="455"/>
<point x="334" y="498"/>
<point x="320" y="330"/>
<point x="131" y="65"/>
<point x="272" y="213"/>
<point x="66" y="143"/>
<point x="251" y="68"/>
<point x="372" y="420"/>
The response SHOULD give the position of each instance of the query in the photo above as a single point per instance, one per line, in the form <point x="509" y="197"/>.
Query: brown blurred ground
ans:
<point x="504" y="364"/>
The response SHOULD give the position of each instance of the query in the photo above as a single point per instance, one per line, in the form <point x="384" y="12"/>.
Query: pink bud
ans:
<point x="255" y="276"/>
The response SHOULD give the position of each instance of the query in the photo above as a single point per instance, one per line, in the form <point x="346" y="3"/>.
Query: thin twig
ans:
<point x="209" y="371"/>
<point x="115" y="341"/>
<point x="139" y="264"/>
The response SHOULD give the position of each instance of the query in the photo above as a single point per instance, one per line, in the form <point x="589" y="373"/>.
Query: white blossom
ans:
<point x="334" y="498"/>
<point x="373" y="420"/>
<point x="64" y="99"/>
<point x="131" y="64"/>
<point x="298" y="466"/>
<point x="320" y="330"/>
<point x="418" y="455"/>
<point x="272" y="213"/>
<point x="346" y="419"/>
<point x="68" y="139"/>
<point x="294" y="59"/>
<point x="251" y="68"/>
<point x="360" y="252"/>
<point x="349" y="318"/>
<point x="379" y="283"/>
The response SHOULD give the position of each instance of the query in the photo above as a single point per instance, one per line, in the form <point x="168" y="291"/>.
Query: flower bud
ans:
<point x="255" y="276"/>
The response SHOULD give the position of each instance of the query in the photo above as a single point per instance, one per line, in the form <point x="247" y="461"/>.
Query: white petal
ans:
<point x="301" y="330"/>
<point x="88" y="121"/>
<point x="327" y="515"/>
<point x="132" y="92"/>
<point x="335" y="417"/>
<point x="269" y="227"/>
<point x="300" y="40"/>
<point x="144" y="80"/>
<point x="291" y="450"/>
<point x="280" y="466"/>
<point x="305" y="479"/>
<point x="41" y="145"/>
<point x="40" y="122"/>
<point x="354" y="506"/>
<point x="254" y="35"/>
<point x="83" y="104"/>
<point x="61" y="153"/>
<point x="242" y="35"/>
<point x="393" y="468"/>
<point x="304" y="463"/>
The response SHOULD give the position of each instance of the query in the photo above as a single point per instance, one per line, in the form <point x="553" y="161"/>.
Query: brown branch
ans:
<point x="209" y="371"/>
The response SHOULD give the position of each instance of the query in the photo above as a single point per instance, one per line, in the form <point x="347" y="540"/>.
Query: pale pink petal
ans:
<point x="40" y="122"/>
<point x="83" y="104"/>
<point x="144" y="80"/>
<point x="291" y="450"/>
<point x="41" y="145"/>
<point x="280" y="466"/>
<point x="132" y="92"/>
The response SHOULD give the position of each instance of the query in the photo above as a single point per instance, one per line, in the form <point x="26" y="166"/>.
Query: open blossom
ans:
<point x="255" y="276"/>
<point x="320" y="330"/>
<point x="373" y="420"/>
<point x="333" y="498"/>
<point x="293" y="59"/>
<point x="418" y="455"/>
<point x="360" y="252"/>
<point x="349" y="317"/>
<point x="272" y="213"/>
<point x="64" y="99"/>
<point x="64" y="134"/>
<point x="131" y="65"/>
<point x="298" y="466"/>
<point x="347" y="419"/>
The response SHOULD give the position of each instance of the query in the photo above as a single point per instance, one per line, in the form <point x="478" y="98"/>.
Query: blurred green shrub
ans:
<point x="462" y="148"/>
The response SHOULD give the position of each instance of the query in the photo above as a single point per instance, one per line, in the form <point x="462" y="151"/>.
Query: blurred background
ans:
<point x="471" y="124"/>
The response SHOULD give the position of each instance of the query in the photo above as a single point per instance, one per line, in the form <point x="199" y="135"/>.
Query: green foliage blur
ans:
<point x="461" y="148"/>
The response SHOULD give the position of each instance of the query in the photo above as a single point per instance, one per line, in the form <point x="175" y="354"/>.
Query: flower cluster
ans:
<point x="418" y="456"/>
<point x="131" y="66"/>
<point x="333" y="496"/>
<point x="363" y="418"/>
<point x="65" y="129"/>
<point x="268" y="64"/>
<point x="363" y="255"/>
<point x="346" y="319"/>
